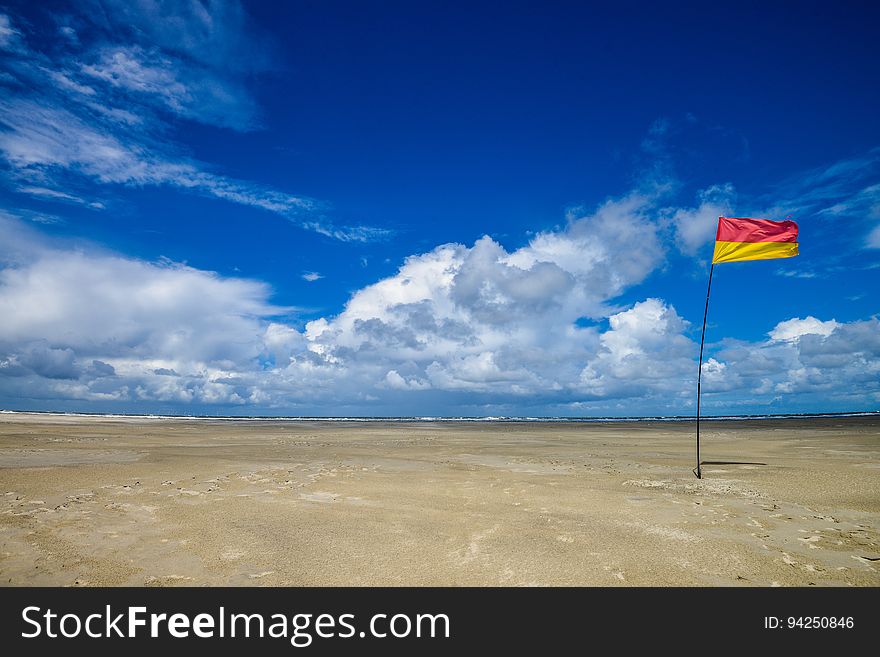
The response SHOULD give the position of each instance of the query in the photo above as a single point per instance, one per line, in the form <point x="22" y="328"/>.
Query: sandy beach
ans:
<point x="162" y="502"/>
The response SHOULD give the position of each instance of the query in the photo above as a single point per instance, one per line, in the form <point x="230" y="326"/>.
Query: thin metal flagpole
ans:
<point x="697" y="470"/>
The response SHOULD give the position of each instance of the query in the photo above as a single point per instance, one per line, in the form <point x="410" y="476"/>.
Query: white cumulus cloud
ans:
<point x="476" y="329"/>
<point x="696" y="227"/>
<point x="794" y="328"/>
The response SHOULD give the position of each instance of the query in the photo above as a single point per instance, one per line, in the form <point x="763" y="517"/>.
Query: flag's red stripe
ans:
<point x="756" y="230"/>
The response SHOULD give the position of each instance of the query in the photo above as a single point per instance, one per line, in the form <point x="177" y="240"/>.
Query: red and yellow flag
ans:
<point x="754" y="239"/>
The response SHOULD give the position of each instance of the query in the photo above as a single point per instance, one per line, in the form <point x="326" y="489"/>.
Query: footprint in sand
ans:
<point x="166" y="580"/>
<point x="265" y="573"/>
<point x="810" y="540"/>
<point x="319" y="496"/>
<point x="231" y="554"/>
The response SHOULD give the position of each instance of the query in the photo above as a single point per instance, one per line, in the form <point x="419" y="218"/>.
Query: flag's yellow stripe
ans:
<point x="736" y="251"/>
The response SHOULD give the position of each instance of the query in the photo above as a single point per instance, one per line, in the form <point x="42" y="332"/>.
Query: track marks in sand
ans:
<point x="725" y="487"/>
<point x="475" y="547"/>
<point x="670" y="533"/>
<point x="42" y="458"/>
<point x="167" y="580"/>
<point x="809" y="547"/>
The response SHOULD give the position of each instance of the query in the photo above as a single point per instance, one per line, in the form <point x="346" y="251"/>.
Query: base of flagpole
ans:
<point x="697" y="473"/>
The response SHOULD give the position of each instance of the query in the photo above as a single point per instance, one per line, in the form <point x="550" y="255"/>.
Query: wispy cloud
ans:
<point x="98" y="107"/>
<point x="311" y="276"/>
<point x="873" y="240"/>
<point x="349" y="233"/>
<point x="32" y="216"/>
<point x="57" y="195"/>
<point x="823" y="188"/>
<point x="844" y="190"/>
<point x="796" y="273"/>
<point x="10" y="37"/>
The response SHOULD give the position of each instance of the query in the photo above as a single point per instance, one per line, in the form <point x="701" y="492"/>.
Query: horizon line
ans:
<point x="454" y="418"/>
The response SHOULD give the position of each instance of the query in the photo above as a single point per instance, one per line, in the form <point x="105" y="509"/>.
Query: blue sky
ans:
<point x="434" y="208"/>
